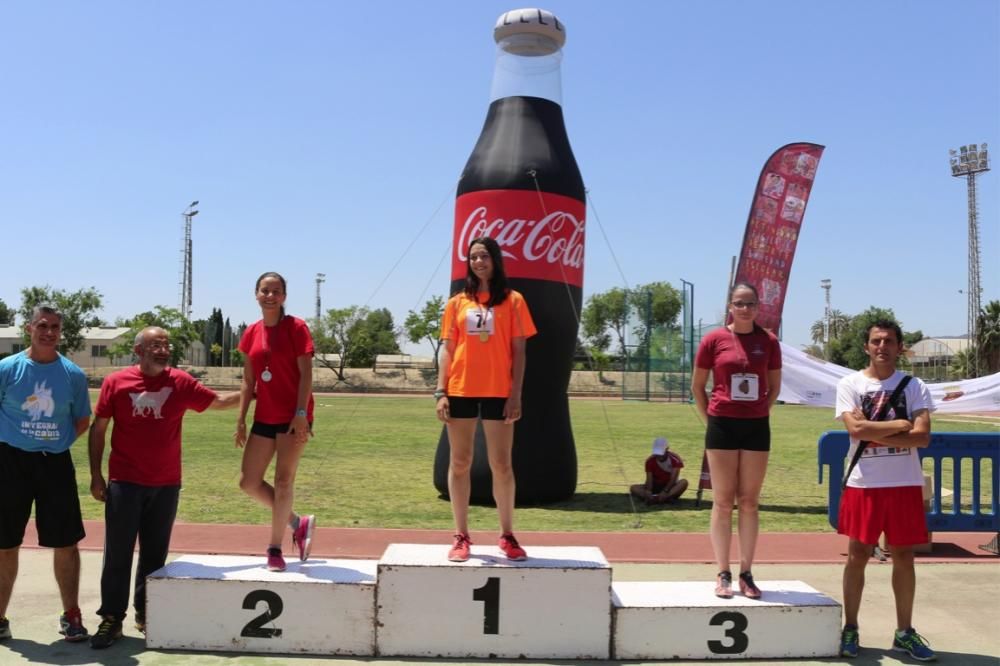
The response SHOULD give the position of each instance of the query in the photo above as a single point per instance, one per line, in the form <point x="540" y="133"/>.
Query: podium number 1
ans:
<point x="489" y="594"/>
<point x="255" y="628"/>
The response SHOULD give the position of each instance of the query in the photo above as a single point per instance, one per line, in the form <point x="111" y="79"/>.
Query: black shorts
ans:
<point x="488" y="409"/>
<point x="272" y="430"/>
<point x="734" y="434"/>
<point x="49" y="481"/>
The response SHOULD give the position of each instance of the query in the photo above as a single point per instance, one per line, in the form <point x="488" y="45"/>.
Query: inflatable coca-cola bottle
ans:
<point x="522" y="187"/>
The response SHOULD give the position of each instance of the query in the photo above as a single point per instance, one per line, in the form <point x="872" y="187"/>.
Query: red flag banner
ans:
<point x="772" y="231"/>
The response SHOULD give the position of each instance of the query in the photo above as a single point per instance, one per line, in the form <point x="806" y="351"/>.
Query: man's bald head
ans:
<point x="149" y="333"/>
<point x="152" y="347"/>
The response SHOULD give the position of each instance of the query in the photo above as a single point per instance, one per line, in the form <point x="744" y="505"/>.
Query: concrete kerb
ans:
<point x="953" y="611"/>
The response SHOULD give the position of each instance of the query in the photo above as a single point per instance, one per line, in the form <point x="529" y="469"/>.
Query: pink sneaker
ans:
<point x="511" y="548"/>
<point x="460" y="550"/>
<point x="303" y="536"/>
<point x="275" y="562"/>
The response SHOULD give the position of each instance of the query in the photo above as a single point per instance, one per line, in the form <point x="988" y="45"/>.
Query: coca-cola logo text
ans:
<point x="549" y="245"/>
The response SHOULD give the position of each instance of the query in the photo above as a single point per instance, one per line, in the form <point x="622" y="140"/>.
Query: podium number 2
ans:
<point x="489" y="594"/>
<point x="255" y="628"/>
<point x="740" y="641"/>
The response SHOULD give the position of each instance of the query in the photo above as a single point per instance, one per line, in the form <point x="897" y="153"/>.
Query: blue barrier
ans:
<point x="957" y="446"/>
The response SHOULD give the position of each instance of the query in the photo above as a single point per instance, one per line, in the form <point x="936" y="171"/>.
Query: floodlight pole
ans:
<point x="187" y="269"/>
<point x="687" y="290"/>
<point x="825" y="285"/>
<point x="320" y="279"/>
<point x="967" y="162"/>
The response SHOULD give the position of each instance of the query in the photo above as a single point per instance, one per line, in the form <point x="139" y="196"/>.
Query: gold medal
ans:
<point x="484" y="336"/>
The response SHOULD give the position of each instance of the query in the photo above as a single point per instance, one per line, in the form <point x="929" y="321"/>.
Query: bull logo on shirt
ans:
<point x="150" y="401"/>
<point x="40" y="403"/>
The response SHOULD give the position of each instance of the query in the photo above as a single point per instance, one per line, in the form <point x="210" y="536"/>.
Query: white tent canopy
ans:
<point x="806" y="380"/>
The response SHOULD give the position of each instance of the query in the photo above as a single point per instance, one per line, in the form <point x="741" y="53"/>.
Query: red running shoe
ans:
<point x="511" y="548"/>
<point x="460" y="550"/>
<point x="275" y="562"/>
<point x="724" y="585"/>
<point x="748" y="588"/>
<point x="303" y="536"/>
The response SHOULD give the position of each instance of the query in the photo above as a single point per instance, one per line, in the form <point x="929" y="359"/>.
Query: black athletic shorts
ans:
<point x="488" y="409"/>
<point x="47" y="480"/>
<point x="272" y="430"/>
<point x="734" y="434"/>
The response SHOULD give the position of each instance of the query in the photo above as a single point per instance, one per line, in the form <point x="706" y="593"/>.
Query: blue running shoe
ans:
<point x="849" y="641"/>
<point x="914" y="644"/>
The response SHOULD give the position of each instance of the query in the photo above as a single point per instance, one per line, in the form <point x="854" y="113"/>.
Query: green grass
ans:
<point x="371" y="465"/>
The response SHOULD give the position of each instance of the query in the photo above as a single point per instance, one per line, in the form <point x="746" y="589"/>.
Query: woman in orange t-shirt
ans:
<point x="482" y="369"/>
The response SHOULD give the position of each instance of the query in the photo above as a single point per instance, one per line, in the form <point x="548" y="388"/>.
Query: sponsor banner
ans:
<point x="540" y="234"/>
<point x="772" y="230"/>
<point x="807" y="380"/>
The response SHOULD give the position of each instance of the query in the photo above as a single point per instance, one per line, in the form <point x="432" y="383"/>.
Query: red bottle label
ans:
<point x="541" y="234"/>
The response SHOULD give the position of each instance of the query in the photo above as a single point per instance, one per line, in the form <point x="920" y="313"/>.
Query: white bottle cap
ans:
<point x="529" y="32"/>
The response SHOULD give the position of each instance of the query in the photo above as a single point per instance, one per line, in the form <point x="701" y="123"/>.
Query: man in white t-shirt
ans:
<point x="884" y="491"/>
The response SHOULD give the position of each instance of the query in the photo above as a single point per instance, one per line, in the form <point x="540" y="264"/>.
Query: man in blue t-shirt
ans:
<point x="44" y="407"/>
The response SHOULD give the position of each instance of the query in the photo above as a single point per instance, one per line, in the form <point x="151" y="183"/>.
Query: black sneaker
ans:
<point x="4" y="628"/>
<point x="140" y="622"/>
<point x="108" y="632"/>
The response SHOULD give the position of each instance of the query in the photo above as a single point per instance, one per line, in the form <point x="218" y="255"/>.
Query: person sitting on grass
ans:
<point x="663" y="469"/>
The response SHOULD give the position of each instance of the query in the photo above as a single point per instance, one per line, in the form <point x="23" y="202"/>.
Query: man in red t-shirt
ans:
<point x="147" y="402"/>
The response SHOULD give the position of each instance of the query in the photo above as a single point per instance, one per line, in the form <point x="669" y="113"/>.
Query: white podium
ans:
<point x="231" y="603"/>
<point x="554" y="605"/>
<point x="560" y="603"/>
<point x="685" y="620"/>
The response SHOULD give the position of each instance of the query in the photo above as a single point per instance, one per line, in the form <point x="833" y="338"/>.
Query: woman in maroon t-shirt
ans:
<point x="745" y="363"/>
<point x="278" y="373"/>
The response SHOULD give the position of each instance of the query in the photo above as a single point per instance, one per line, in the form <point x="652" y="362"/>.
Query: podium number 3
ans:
<point x="255" y="628"/>
<point x="740" y="641"/>
<point x="489" y="594"/>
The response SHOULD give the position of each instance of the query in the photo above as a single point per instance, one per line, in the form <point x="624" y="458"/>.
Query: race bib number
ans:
<point x="744" y="386"/>
<point x="479" y="323"/>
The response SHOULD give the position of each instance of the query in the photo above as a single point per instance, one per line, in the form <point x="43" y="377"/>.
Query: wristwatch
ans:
<point x="301" y="412"/>
<point x="440" y="393"/>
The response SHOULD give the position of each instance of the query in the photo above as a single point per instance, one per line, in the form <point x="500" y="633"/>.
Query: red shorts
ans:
<point x="865" y="513"/>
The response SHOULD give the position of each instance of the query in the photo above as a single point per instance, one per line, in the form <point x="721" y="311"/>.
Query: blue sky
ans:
<point x="324" y="136"/>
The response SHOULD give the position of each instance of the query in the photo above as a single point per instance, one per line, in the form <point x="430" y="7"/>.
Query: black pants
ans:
<point x="131" y="511"/>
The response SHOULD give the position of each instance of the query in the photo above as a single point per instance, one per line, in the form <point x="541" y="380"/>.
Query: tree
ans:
<point x="357" y="334"/>
<point x="426" y="325"/>
<point x="988" y="337"/>
<point x="960" y="364"/>
<point x="839" y="323"/>
<point x="657" y="305"/>
<point x="374" y="334"/>
<point x="332" y="335"/>
<point x="182" y="332"/>
<point x="6" y="314"/>
<point x="604" y="311"/>
<point x="76" y="308"/>
<point x="213" y="335"/>
<point x="608" y="312"/>
<point x="910" y="339"/>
